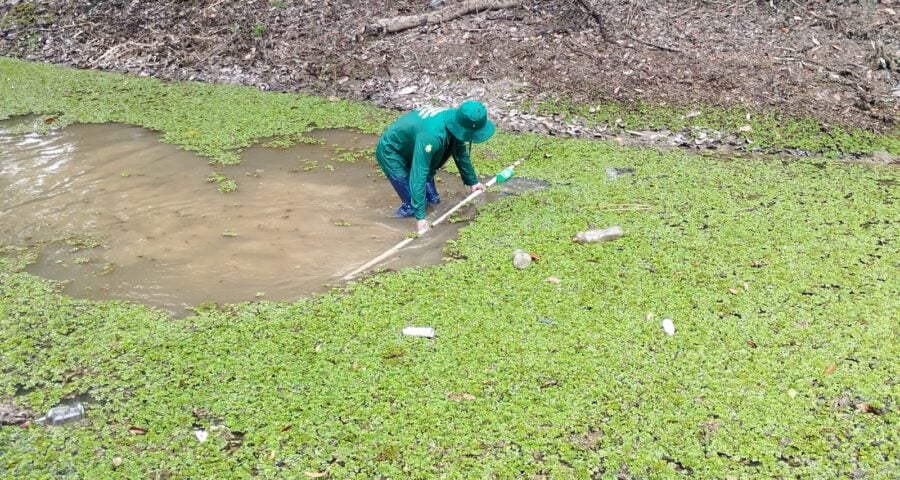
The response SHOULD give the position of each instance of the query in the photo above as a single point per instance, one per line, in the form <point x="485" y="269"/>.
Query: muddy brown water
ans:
<point x="298" y="221"/>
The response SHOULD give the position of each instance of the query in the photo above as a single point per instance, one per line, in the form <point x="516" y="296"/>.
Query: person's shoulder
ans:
<point x="431" y="112"/>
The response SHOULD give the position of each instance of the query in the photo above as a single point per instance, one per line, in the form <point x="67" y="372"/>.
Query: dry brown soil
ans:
<point x="838" y="61"/>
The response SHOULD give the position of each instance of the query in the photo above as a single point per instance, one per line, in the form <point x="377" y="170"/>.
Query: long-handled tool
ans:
<point x="503" y="176"/>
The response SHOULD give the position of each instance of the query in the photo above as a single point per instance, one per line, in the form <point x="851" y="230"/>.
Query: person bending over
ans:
<point x="419" y="143"/>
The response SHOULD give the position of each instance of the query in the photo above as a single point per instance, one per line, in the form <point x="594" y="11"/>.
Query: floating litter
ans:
<point x="521" y="259"/>
<point x="598" y="235"/>
<point x="62" y="414"/>
<point x="614" y="172"/>
<point x="424" y="332"/>
<point x="668" y="326"/>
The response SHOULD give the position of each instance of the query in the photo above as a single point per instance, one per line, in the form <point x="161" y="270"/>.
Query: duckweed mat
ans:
<point x="779" y="276"/>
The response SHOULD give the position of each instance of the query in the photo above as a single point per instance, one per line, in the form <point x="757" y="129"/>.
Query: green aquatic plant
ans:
<point x="310" y="165"/>
<point x="286" y="141"/>
<point x="225" y="183"/>
<point x="105" y="269"/>
<point x="352" y="155"/>
<point x="215" y="121"/>
<point x="779" y="276"/>
<point x="78" y="241"/>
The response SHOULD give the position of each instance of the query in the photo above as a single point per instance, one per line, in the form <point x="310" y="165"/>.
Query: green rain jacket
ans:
<point x="416" y="145"/>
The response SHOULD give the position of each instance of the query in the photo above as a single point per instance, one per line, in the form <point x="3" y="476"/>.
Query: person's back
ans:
<point x="401" y="136"/>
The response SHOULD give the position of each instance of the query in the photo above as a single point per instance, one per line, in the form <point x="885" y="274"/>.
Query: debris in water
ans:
<point x="668" y="326"/>
<point x="519" y="185"/>
<point x="599" y="235"/>
<point x="425" y="332"/>
<point x="201" y="435"/>
<point x="868" y="408"/>
<point x="521" y="259"/>
<point x="614" y="172"/>
<point x="458" y="397"/>
<point x="62" y="414"/>
<point x="11" y="414"/>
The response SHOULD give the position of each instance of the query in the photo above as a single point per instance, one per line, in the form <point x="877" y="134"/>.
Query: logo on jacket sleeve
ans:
<point x="428" y="148"/>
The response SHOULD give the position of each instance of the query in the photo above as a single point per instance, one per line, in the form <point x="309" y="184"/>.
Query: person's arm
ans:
<point x="465" y="167"/>
<point x="426" y="147"/>
<point x="464" y="164"/>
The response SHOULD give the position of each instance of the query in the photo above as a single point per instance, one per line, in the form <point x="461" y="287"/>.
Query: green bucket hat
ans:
<point x="469" y="122"/>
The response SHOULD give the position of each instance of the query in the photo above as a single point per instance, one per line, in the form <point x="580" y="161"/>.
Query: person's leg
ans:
<point x="431" y="193"/>
<point x="392" y="166"/>
<point x="401" y="186"/>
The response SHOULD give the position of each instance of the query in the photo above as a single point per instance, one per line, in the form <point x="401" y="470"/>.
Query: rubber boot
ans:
<point x="431" y="193"/>
<point x="404" y="211"/>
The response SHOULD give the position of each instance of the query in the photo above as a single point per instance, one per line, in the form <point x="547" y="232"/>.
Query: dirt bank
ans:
<point x="836" y="61"/>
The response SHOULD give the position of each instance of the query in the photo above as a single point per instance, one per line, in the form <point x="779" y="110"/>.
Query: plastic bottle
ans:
<point x="505" y="175"/>
<point x="62" y="414"/>
<point x="599" y="235"/>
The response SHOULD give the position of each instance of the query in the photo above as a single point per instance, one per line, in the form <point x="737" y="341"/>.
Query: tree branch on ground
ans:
<point x="586" y="4"/>
<point x="451" y="12"/>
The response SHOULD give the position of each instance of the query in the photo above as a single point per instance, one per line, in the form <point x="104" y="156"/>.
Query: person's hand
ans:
<point x="422" y="226"/>
<point x="478" y="186"/>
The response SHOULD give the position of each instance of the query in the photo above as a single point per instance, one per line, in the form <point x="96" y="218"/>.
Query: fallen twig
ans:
<point x="650" y="44"/>
<point x="398" y="24"/>
<point x="121" y="46"/>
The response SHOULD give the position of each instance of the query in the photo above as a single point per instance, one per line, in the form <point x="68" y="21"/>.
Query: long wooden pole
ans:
<point x="440" y="219"/>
